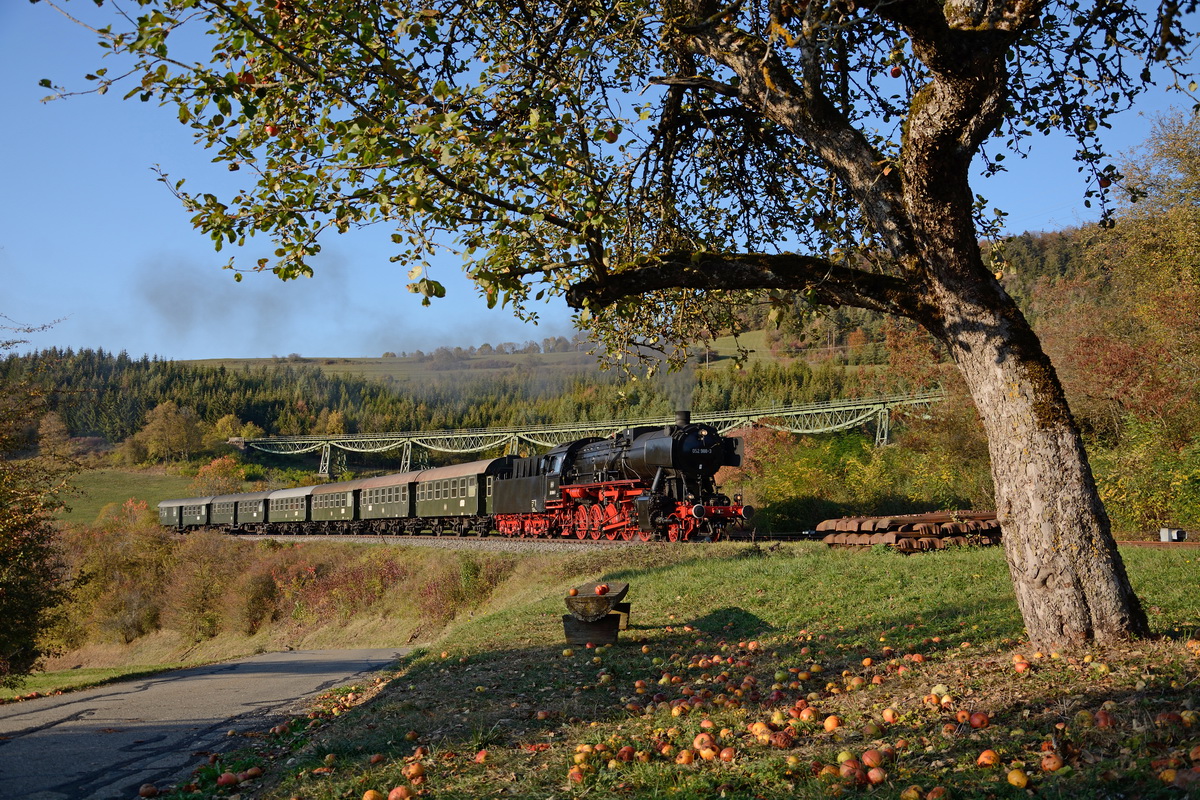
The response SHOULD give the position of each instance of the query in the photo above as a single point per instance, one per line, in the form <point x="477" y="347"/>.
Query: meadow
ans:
<point x="915" y="661"/>
<point x="97" y="488"/>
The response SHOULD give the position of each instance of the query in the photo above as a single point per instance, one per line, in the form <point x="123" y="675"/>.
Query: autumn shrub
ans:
<point x="460" y="585"/>
<point x="116" y="569"/>
<point x="798" y="481"/>
<point x="359" y="585"/>
<point x="295" y="580"/>
<point x="1147" y="483"/>
<point x="253" y="599"/>
<point x="206" y="563"/>
<point x="223" y="475"/>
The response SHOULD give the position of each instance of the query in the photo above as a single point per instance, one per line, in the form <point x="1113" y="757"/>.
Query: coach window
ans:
<point x="462" y="487"/>
<point x="471" y="484"/>
<point x="489" y="486"/>
<point x="453" y="489"/>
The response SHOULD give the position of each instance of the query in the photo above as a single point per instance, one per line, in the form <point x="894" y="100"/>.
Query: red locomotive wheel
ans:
<point x="674" y="528"/>
<point x="613" y="521"/>
<point x="597" y="515"/>
<point x="583" y="521"/>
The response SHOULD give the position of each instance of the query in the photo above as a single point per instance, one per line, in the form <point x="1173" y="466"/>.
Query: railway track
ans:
<point x="504" y="543"/>
<point x="499" y="543"/>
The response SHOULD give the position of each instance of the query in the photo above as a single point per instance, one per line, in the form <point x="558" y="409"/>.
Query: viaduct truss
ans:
<point x="827" y="417"/>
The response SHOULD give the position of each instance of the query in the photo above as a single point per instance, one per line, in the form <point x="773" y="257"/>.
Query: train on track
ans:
<point x="644" y="483"/>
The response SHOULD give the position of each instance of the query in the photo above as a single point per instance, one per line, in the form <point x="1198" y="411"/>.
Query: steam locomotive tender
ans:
<point x="644" y="483"/>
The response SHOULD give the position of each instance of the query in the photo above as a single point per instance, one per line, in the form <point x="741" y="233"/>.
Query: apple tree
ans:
<point x="657" y="163"/>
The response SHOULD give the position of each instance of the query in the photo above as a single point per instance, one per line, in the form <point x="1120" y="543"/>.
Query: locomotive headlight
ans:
<point x="737" y="498"/>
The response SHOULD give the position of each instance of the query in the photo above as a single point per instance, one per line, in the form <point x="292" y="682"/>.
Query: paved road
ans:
<point x="105" y="742"/>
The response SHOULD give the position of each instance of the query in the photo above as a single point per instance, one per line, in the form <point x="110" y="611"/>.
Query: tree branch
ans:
<point x="432" y="167"/>
<point x="799" y="105"/>
<point x="697" y="82"/>
<point x="827" y="283"/>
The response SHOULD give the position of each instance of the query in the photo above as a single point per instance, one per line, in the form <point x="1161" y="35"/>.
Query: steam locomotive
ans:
<point x="641" y="483"/>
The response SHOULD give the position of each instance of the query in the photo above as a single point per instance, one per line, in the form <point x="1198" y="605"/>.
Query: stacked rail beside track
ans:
<point x="911" y="533"/>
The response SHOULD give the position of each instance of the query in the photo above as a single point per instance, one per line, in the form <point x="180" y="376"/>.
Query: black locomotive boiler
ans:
<point x="645" y="482"/>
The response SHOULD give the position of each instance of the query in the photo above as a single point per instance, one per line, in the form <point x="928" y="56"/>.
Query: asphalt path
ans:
<point x="104" y="743"/>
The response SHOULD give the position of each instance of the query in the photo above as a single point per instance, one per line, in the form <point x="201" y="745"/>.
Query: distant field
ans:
<point x="100" y="487"/>
<point x="402" y="370"/>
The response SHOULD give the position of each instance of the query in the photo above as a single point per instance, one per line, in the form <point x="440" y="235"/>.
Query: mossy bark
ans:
<point x="1070" y="583"/>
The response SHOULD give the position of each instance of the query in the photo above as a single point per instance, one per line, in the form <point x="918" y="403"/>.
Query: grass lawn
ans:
<point x="778" y="672"/>
<point x="99" y="487"/>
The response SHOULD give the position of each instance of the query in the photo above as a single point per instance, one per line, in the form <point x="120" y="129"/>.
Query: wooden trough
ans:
<point x="596" y="618"/>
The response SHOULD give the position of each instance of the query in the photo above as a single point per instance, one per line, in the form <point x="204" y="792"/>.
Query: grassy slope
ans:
<point x="99" y="487"/>
<point x="494" y="672"/>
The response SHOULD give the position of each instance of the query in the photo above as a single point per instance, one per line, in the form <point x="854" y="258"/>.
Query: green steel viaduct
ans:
<point x="835" y="415"/>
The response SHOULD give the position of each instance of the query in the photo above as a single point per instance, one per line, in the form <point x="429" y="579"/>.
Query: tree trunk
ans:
<point x="1069" y="579"/>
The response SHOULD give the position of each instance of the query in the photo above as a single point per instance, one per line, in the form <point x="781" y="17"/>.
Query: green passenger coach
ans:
<point x="192" y="512"/>
<point x="290" y="505"/>
<point x="463" y="490"/>
<point x="388" y="496"/>
<point x="336" y="502"/>
<point x="252" y="509"/>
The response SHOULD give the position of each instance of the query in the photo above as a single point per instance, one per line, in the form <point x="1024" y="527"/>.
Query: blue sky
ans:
<point x="89" y="236"/>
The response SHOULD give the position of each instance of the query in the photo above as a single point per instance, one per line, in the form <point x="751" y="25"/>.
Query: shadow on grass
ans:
<point x="533" y="706"/>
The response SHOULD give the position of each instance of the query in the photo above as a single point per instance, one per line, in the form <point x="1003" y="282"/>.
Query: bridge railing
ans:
<point x="825" y="417"/>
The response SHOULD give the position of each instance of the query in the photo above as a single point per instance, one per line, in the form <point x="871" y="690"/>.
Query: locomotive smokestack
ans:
<point x="683" y="418"/>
